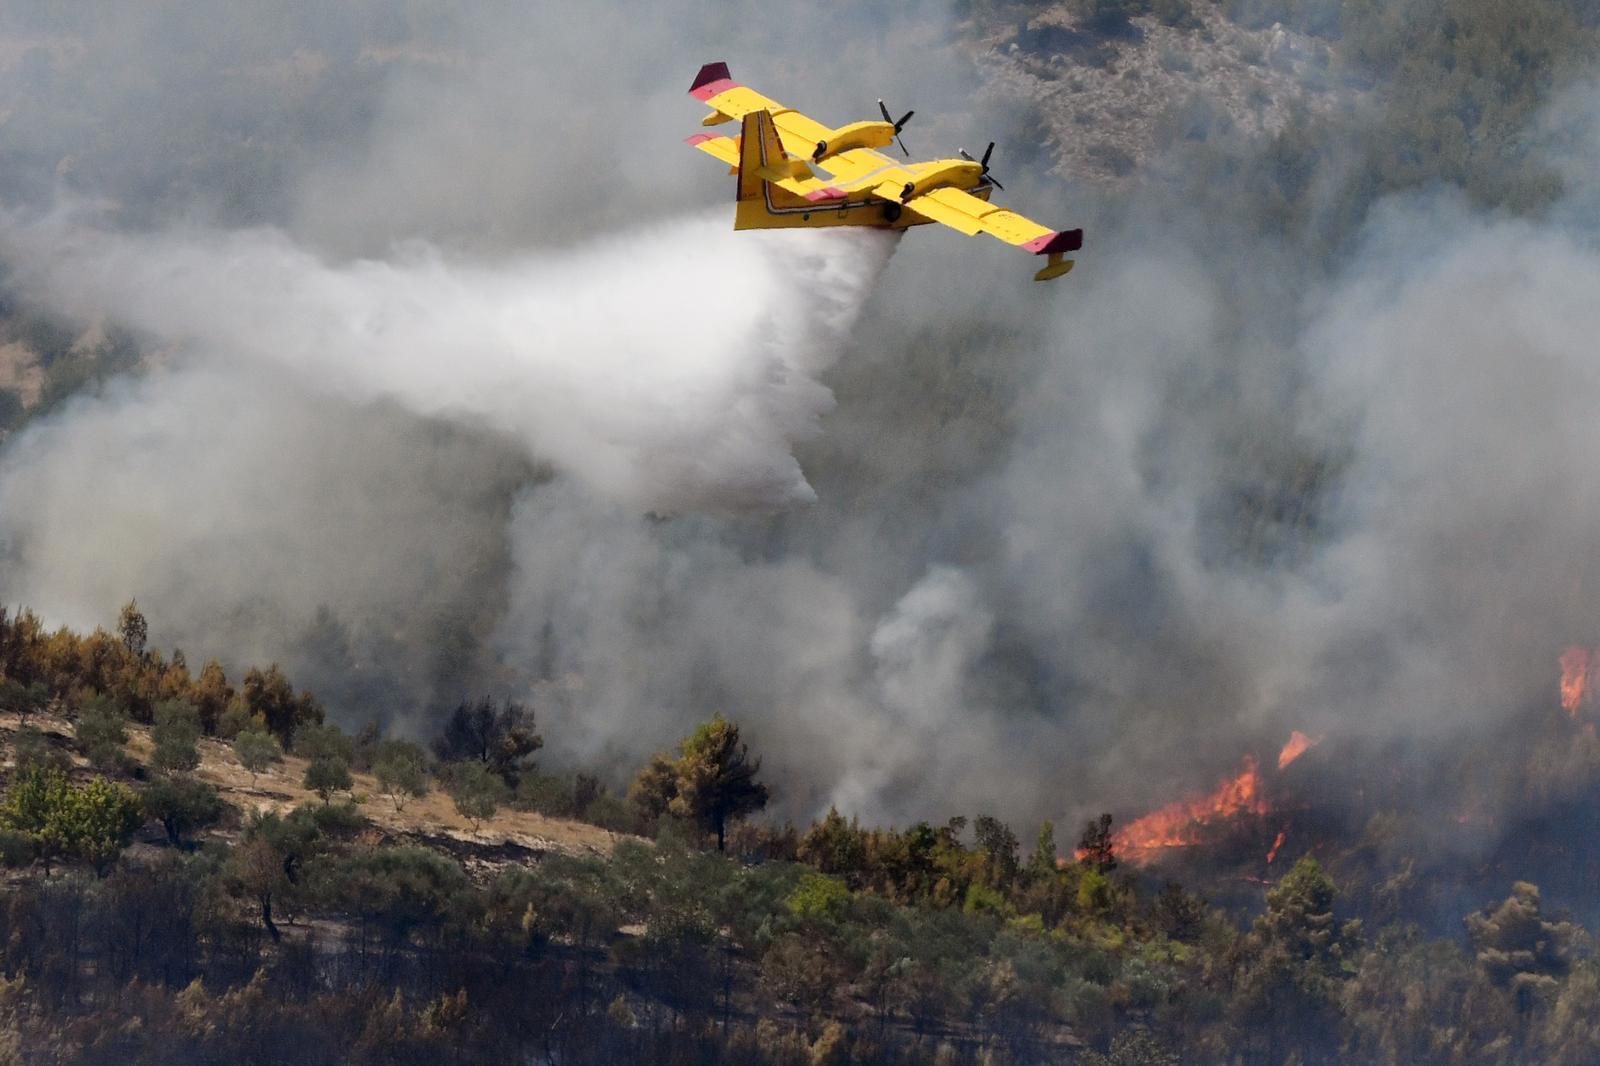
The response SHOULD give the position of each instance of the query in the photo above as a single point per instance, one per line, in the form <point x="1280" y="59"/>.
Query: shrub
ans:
<point x="92" y="822"/>
<point x="817" y="894"/>
<point x="609" y="812"/>
<point x="22" y="700"/>
<point x="16" y="848"/>
<point x="317" y="740"/>
<point x="182" y="804"/>
<point x="176" y="733"/>
<point x="546" y="794"/>
<point x="477" y="792"/>
<point x="335" y="819"/>
<point x="102" y="730"/>
<point x="401" y="769"/>
<point x="34" y="747"/>
<point x="326" y="775"/>
<point x="256" y="749"/>
<point x="237" y="718"/>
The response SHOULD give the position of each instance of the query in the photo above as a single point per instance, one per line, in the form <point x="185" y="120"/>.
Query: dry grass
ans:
<point x="432" y="818"/>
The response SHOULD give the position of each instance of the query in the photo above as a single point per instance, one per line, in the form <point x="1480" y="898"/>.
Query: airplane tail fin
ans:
<point x="764" y="171"/>
<point x="760" y="154"/>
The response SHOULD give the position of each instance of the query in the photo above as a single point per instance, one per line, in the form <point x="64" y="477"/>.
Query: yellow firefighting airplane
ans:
<point x="779" y="153"/>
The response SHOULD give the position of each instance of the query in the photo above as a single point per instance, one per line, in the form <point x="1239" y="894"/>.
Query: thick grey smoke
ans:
<point x="480" y="380"/>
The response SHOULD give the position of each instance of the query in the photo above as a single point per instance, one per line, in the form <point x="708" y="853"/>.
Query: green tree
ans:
<point x="237" y="718"/>
<point x="817" y="894"/>
<point x="102" y="730"/>
<point x="711" y="782"/>
<point x="836" y="847"/>
<point x="318" y="740"/>
<point x="1518" y="948"/>
<point x="100" y="820"/>
<point x="1291" y="968"/>
<point x="654" y="788"/>
<point x="1300" y="917"/>
<point x="402" y="770"/>
<point x="1042" y="863"/>
<point x="93" y="822"/>
<point x="176" y="734"/>
<point x="256" y="749"/>
<point x="1423" y="1001"/>
<point x="181" y="804"/>
<point x="399" y="889"/>
<point x="327" y="775"/>
<point x="23" y="700"/>
<point x="477" y="792"/>
<point x="267" y="864"/>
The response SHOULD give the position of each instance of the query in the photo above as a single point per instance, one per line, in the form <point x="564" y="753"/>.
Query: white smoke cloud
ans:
<point x="669" y="367"/>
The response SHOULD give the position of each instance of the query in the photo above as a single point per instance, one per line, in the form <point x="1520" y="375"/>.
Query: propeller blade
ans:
<point x="990" y="179"/>
<point x="987" y="152"/>
<point x="885" y="111"/>
<point x="963" y="153"/>
<point x="902" y="145"/>
<point x="898" y="126"/>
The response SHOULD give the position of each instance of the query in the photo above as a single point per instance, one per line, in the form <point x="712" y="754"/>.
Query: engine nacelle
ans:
<point x="957" y="172"/>
<point x="855" y="135"/>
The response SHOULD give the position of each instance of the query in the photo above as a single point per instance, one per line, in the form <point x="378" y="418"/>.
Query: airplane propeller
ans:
<point x="898" y="126"/>
<point x="984" y="163"/>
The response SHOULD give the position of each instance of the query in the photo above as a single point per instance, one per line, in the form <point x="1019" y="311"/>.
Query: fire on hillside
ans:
<point x="1577" y="677"/>
<point x="1468" y="813"/>
<point x="1200" y="820"/>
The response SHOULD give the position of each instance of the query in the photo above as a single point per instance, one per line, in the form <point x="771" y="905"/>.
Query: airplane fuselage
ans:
<point x="855" y="203"/>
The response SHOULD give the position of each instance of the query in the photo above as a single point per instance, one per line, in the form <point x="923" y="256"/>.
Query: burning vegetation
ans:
<point x="1241" y="800"/>
<point x="1577" y="677"/>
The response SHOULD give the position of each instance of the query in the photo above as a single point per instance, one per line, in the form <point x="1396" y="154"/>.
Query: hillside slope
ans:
<point x="510" y="836"/>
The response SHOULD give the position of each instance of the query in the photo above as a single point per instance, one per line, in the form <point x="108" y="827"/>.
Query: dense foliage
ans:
<point x="306" y="935"/>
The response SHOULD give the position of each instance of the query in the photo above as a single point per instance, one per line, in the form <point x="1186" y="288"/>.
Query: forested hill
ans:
<point x="199" y="872"/>
<point x="1073" y="554"/>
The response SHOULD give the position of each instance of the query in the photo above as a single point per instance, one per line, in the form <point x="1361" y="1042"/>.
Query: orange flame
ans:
<point x="1577" y="667"/>
<point x="1298" y="745"/>
<point x="1184" y="823"/>
<point x="1272" y="852"/>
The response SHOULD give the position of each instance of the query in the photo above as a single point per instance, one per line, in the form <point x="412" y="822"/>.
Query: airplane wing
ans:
<point x="715" y="87"/>
<point x="970" y="214"/>
<point x="798" y="134"/>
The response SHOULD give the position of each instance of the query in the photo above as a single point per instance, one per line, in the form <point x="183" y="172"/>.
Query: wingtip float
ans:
<point x="795" y="172"/>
